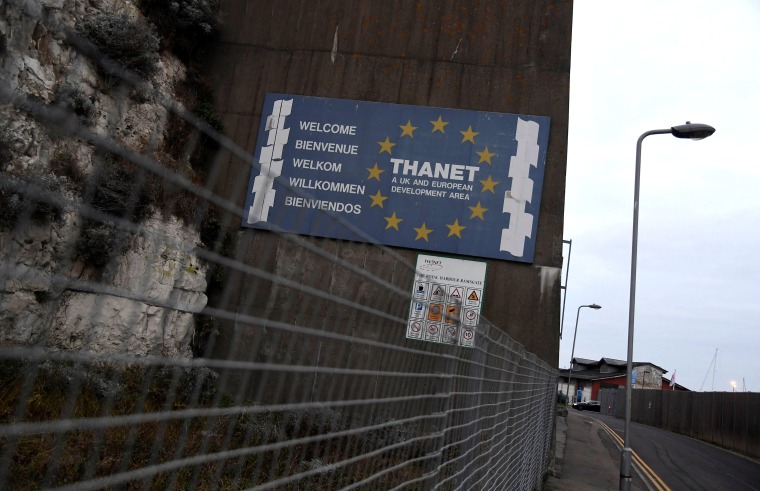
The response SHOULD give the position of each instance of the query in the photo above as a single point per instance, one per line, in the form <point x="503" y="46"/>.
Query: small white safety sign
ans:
<point x="446" y="300"/>
<point x="414" y="330"/>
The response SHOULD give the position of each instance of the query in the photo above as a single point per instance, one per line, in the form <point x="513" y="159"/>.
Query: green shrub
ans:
<point x="205" y="328"/>
<point x="132" y="43"/>
<point x="119" y="188"/>
<point x="211" y="227"/>
<point x="13" y="203"/>
<point x="184" y="24"/>
<point x="6" y="149"/>
<point x="51" y="185"/>
<point x="78" y="103"/>
<point x="99" y="243"/>
<point x="181" y="141"/>
<point x="64" y="163"/>
<point x="11" y="206"/>
<point x="206" y="112"/>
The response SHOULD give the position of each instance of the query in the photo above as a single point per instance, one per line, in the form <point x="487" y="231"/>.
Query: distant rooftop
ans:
<point x="613" y="362"/>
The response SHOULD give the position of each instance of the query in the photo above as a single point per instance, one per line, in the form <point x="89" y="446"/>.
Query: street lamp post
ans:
<point x="572" y="353"/>
<point x="694" y="132"/>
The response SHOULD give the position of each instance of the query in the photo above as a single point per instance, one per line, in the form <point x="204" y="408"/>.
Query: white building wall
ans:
<point x="562" y="387"/>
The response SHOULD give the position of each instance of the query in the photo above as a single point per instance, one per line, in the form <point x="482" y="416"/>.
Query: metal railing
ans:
<point x="111" y="375"/>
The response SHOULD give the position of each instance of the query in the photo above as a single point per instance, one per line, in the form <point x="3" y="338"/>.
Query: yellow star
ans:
<point x="469" y="135"/>
<point x="489" y="184"/>
<point x="438" y="125"/>
<point x="393" y="221"/>
<point x="477" y="211"/>
<point x="455" y="229"/>
<point x="377" y="199"/>
<point x="422" y="232"/>
<point x="374" y="172"/>
<point x="385" y="146"/>
<point x="408" y="129"/>
<point x="485" y="156"/>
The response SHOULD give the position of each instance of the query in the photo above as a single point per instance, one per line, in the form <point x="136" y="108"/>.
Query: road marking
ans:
<point x="637" y="461"/>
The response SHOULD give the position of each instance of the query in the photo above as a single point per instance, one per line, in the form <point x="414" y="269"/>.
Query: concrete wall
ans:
<point x="504" y="56"/>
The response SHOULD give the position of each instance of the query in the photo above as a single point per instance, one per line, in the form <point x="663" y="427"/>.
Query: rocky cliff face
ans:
<point x="141" y="296"/>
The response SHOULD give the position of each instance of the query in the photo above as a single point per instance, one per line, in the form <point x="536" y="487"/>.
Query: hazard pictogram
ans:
<point x="435" y="312"/>
<point x="415" y="330"/>
<point x="470" y="317"/>
<point x="433" y="333"/>
<point x="449" y="335"/>
<point x="474" y="296"/>
<point x="452" y="314"/>
<point x="456" y="293"/>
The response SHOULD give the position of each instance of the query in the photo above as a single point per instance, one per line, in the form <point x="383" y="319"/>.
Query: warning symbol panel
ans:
<point x="452" y="313"/>
<point x="467" y="338"/>
<point x="470" y="317"/>
<point x="433" y="332"/>
<point x="474" y="296"/>
<point x="456" y="293"/>
<point x="414" y="330"/>
<point x="438" y="292"/>
<point x="449" y="335"/>
<point x="446" y="300"/>
<point x="435" y="313"/>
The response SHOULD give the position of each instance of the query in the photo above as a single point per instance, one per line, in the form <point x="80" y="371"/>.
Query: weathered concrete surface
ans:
<point x="586" y="460"/>
<point x="501" y="56"/>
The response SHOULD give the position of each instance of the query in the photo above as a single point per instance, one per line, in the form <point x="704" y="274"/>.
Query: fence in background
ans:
<point x="728" y="419"/>
<point x="82" y="411"/>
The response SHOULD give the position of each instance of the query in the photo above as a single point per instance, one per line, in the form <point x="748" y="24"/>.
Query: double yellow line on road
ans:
<point x="656" y="480"/>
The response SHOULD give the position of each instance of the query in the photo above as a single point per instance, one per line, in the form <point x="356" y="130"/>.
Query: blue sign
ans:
<point x="445" y="180"/>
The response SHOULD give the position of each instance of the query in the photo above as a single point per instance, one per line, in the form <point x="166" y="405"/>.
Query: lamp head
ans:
<point x="595" y="306"/>
<point x="694" y="131"/>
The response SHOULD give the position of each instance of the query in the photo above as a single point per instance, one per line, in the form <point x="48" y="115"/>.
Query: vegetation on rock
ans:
<point x="132" y="43"/>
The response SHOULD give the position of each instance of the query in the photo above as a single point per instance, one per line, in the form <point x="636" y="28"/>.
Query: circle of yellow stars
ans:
<point x="423" y="232"/>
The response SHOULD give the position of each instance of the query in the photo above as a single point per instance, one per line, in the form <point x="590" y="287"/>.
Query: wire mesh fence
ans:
<point x="125" y="360"/>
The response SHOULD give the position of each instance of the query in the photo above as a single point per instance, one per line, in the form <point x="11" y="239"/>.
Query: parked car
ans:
<point x="588" y="406"/>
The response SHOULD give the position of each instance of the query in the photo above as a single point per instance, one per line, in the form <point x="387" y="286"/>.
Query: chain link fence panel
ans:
<point x="112" y="241"/>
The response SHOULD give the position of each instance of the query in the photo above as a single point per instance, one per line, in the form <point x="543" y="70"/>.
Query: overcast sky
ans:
<point x="653" y="64"/>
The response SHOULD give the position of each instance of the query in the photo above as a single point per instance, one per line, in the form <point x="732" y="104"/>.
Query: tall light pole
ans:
<point x="693" y="132"/>
<point x="572" y="353"/>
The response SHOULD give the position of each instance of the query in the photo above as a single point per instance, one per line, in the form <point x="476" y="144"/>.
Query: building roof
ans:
<point x="581" y="374"/>
<point x="614" y="362"/>
<point x="585" y="361"/>
<point x="640" y="363"/>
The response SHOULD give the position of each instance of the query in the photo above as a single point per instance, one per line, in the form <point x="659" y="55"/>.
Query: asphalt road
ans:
<point x="682" y="463"/>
